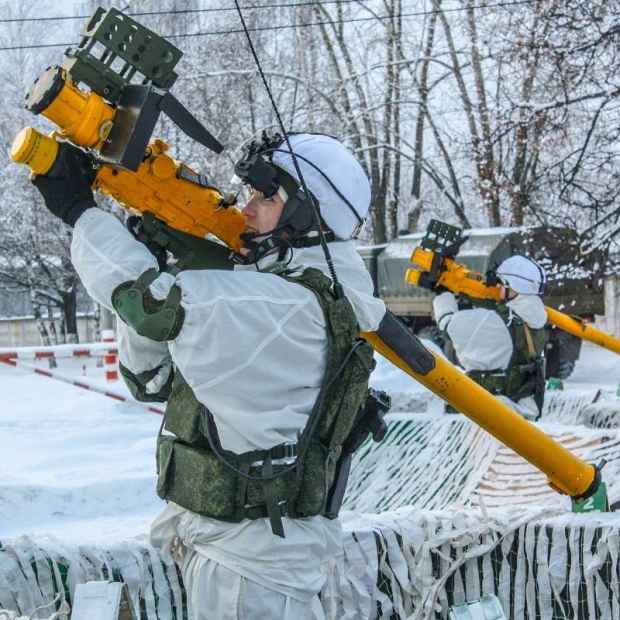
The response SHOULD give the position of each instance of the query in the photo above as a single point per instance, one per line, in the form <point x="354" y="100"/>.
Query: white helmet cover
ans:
<point x="339" y="165"/>
<point x="523" y="275"/>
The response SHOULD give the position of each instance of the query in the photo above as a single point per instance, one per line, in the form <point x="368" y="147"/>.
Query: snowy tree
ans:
<point x="33" y="245"/>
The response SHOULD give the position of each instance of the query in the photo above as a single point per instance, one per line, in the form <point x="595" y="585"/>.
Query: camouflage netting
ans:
<point x="538" y="566"/>
<point x="593" y="409"/>
<point x="434" y="463"/>
<point x="438" y="514"/>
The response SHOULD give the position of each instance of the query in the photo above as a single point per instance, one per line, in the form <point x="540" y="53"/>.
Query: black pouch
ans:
<point x="369" y="421"/>
<point x="339" y="487"/>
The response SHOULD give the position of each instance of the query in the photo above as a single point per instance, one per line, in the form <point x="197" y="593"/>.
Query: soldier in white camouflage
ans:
<point x="261" y="369"/>
<point x="503" y="348"/>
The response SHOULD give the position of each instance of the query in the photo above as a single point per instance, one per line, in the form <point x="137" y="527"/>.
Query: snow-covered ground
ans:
<point x="73" y="463"/>
<point x="80" y="467"/>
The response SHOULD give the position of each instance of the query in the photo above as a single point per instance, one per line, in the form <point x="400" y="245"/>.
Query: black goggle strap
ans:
<point x="287" y="183"/>
<point x="297" y="214"/>
<point x="541" y="284"/>
<point x="543" y="279"/>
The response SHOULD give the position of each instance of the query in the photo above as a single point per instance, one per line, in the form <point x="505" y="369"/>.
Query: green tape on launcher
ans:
<point x="598" y="502"/>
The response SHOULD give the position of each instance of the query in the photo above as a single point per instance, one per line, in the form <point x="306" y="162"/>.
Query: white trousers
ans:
<point x="216" y="593"/>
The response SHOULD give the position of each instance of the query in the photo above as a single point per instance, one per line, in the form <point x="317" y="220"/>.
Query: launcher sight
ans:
<point x="128" y="70"/>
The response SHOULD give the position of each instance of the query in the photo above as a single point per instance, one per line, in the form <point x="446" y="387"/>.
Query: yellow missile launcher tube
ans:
<point x="460" y="280"/>
<point x="583" y="330"/>
<point x="156" y="187"/>
<point x="567" y="473"/>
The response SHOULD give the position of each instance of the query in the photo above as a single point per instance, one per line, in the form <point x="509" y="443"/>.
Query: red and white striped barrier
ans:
<point x="110" y="359"/>
<point x="52" y="374"/>
<point x="95" y="349"/>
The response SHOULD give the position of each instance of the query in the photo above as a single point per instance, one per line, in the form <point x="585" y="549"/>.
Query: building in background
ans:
<point x="20" y="327"/>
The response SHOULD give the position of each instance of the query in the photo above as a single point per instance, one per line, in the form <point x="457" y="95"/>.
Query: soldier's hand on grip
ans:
<point x="66" y="189"/>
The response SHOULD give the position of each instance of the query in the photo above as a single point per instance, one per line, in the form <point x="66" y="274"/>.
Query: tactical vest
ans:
<point x="195" y="472"/>
<point x="525" y="373"/>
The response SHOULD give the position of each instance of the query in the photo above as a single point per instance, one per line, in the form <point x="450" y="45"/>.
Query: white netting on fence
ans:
<point x="407" y="564"/>
<point x="538" y="565"/>
<point x="567" y="406"/>
<point x="424" y="461"/>
<point x="593" y="408"/>
<point x="33" y="573"/>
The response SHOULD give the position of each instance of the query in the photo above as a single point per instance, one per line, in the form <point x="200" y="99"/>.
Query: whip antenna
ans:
<point x="315" y="209"/>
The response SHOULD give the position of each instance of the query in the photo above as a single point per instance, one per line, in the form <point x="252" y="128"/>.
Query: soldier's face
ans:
<point x="262" y="214"/>
<point x="507" y="293"/>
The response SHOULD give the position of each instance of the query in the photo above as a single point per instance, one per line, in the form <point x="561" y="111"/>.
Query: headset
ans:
<point x="256" y="168"/>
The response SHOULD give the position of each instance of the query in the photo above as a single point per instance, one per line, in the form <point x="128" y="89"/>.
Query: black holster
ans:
<point x="338" y="489"/>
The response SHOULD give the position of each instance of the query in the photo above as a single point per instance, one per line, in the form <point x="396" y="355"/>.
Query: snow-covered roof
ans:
<point x="481" y="242"/>
<point x="498" y="230"/>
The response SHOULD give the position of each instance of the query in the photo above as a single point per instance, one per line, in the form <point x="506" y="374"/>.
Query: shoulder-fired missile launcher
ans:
<point x="434" y="267"/>
<point x="575" y="281"/>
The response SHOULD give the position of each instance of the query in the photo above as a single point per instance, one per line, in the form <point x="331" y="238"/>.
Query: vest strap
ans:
<point x="273" y="506"/>
<point x="530" y="341"/>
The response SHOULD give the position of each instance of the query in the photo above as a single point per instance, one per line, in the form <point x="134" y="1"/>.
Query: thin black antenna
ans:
<point x="315" y="209"/>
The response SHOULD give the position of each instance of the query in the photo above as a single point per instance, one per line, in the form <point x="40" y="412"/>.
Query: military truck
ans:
<point x="575" y="280"/>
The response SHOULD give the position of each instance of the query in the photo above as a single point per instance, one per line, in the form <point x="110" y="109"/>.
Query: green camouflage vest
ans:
<point x="525" y="374"/>
<point x="196" y="473"/>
